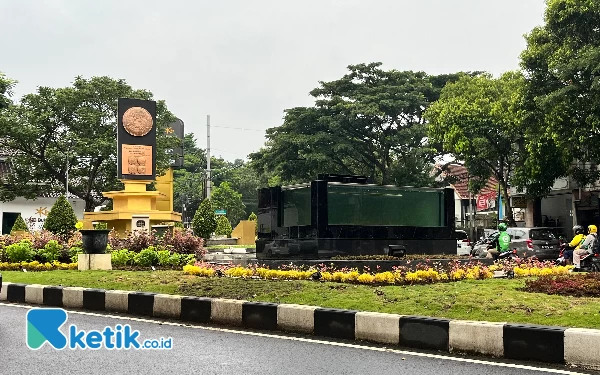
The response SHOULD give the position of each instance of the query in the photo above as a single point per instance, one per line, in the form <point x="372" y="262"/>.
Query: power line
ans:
<point x="229" y="127"/>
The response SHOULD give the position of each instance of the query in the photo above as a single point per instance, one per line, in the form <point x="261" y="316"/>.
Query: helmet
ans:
<point x="578" y="229"/>
<point x="502" y="227"/>
<point x="592" y="229"/>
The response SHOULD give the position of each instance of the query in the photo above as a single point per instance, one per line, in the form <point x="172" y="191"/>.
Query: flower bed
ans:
<point x="37" y="266"/>
<point x="142" y="250"/>
<point x="422" y="274"/>
<point x="576" y="285"/>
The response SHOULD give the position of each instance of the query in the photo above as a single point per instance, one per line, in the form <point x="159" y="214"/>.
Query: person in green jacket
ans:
<point x="501" y="243"/>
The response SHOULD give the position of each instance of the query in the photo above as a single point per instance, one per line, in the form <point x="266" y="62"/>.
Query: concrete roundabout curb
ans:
<point x="555" y="345"/>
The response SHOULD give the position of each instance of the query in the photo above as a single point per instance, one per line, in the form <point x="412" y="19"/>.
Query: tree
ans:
<point x="561" y="94"/>
<point x="254" y="218"/>
<point x="20" y="225"/>
<point x="223" y="227"/>
<point x="477" y="120"/>
<point x="78" y="123"/>
<point x="6" y="86"/>
<point x="225" y="198"/>
<point x="61" y="219"/>
<point x="369" y="122"/>
<point x="205" y="220"/>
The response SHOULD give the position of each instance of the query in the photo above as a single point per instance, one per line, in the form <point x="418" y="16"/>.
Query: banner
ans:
<point x="486" y="201"/>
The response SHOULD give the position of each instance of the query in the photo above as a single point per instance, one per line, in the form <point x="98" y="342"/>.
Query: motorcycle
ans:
<point x="590" y="263"/>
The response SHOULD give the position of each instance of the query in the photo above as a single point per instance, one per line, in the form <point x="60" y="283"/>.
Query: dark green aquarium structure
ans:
<point x="338" y="215"/>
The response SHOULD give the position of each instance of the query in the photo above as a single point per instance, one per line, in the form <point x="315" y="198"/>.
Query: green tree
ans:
<point x="61" y="219"/>
<point x="254" y="218"/>
<point x="369" y="122"/>
<point x="20" y="225"/>
<point x="477" y="120"/>
<point x="223" y="227"/>
<point x="561" y="94"/>
<point x="77" y="123"/>
<point x="205" y="220"/>
<point x="225" y="198"/>
<point x="6" y="86"/>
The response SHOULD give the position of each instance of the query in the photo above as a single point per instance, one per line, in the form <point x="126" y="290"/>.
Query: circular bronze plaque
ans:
<point x="137" y="121"/>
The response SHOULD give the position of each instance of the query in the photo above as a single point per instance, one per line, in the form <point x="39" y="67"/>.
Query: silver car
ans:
<point x="539" y="242"/>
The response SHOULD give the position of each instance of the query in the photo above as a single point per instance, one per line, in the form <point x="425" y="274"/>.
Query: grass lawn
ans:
<point x="496" y="300"/>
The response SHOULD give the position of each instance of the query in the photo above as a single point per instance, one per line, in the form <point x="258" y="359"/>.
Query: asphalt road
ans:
<point x="211" y="350"/>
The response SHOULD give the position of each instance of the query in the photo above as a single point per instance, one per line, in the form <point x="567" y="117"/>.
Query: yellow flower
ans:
<point x="79" y="225"/>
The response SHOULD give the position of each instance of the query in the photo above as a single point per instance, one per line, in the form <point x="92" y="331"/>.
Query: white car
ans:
<point x="463" y="244"/>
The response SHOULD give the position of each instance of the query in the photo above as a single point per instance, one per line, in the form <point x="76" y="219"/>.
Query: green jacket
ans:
<point x="503" y="242"/>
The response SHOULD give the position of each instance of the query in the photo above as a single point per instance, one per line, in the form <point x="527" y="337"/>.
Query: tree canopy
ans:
<point x="477" y="120"/>
<point x="369" y="122"/>
<point x="224" y="197"/>
<point x="78" y="123"/>
<point x="562" y="94"/>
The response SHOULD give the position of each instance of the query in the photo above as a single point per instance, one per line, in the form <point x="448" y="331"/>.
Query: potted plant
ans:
<point x="94" y="241"/>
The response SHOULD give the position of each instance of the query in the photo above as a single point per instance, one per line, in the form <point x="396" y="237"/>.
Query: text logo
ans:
<point x="44" y="326"/>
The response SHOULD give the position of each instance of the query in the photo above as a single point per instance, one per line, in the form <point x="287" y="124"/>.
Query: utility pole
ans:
<point x="67" y="177"/>
<point x="208" y="157"/>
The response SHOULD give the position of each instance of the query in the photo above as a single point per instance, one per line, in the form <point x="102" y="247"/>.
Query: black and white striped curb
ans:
<point x="512" y="341"/>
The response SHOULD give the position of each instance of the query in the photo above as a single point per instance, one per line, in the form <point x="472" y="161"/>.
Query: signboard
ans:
<point x="220" y="212"/>
<point x="177" y="129"/>
<point x="519" y="202"/>
<point x="486" y="201"/>
<point x="136" y="139"/>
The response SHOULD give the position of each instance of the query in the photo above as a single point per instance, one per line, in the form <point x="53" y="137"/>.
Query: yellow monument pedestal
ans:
<point x="136" y="208"/>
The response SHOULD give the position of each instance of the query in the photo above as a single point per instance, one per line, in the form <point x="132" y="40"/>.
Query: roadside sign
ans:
<point x="220" y="212"/>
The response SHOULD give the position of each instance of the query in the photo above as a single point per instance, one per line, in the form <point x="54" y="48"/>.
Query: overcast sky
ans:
<point x="245" y="61"/>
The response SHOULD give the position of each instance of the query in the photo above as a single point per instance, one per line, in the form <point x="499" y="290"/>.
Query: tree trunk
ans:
<point x="90" y="205"/>
<point x="508" y="209"/>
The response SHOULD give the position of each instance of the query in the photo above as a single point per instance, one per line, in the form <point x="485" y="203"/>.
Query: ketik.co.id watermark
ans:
<point x="44" y="326"/>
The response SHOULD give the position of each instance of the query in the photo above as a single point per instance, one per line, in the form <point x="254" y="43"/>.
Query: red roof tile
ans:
<point x="461" y="185"/>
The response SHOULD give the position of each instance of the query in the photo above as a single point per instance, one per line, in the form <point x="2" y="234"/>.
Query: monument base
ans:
<point x="86" y="262"/>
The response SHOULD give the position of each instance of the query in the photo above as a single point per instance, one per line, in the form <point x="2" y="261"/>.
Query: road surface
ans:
<point x="212" y="350"/>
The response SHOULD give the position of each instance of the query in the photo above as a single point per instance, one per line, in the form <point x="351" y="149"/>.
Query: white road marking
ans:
<point x="314" y="341"/>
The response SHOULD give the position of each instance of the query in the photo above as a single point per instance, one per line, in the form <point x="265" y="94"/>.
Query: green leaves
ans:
<point x="561" y="91"/>
<point x="61" y="220"/>
<point x="225" y="198"/>
<point x="368" y="122"/>
<point x="19" y="225"/>
<point x="205" y="220"/>
<point x="76" y="123"/>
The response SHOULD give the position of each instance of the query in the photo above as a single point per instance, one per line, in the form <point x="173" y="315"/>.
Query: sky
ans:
<point x="244" y="62"/>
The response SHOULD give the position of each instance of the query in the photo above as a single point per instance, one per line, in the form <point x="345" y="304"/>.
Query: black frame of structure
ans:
<point x="320" y="240"/>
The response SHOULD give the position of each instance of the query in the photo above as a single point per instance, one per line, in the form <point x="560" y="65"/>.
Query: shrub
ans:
<point x="182" y="241"/>
<point x="146" y="258"/>
<point x="205" y="220"/>
<point x="41" y="239"/>
<point x="122" y="257"/>
<point x="61" y="220"/>
<point x="74" y="253"/>
<point x="254" y="218"/>
<point x="223" y="227"/>
<point x="20" y="225"/>
<point x="578" y="285"/>
<point x="51" y="252"/>
<point x="163" y="257"/>
<point x="20" y="252"/>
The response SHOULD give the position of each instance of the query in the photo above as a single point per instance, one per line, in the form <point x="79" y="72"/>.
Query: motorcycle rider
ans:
<point x="501" y="243"/>
<point x="577" y="240"/>
<point x="586" y="247"/>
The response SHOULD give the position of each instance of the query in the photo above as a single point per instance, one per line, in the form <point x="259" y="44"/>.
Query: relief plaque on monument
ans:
<point x="136" y="160"/>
